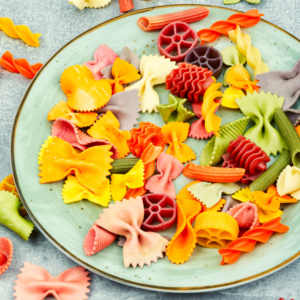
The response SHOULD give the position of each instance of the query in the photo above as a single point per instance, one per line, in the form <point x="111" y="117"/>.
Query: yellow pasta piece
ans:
<point x="133" y="179"/>
<point x="215" y="229"/>
<point x="252" y="54"/>
<point x="209" y="106"/>
<point x="81" y="4"/>
<point x="229" y="97"/>
<point x="42" y="150"/>
<point x="289" y="182"/>
<point x="73" y="191"/>
<point x="19" y="32"/>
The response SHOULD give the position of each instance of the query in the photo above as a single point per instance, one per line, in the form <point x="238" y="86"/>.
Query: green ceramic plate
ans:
<point x="66" y="225"/>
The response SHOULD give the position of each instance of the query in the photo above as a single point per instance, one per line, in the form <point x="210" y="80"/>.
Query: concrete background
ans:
<point x="59" y="22"/>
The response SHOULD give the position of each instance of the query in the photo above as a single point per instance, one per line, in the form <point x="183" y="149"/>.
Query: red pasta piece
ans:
<point x="247" y="242"/>
<point x="146" y="134"/>
<point x="6" y="253"/>
<point x="155" y="209"/>
<point x="125" y="5"/>
<point x="176" y="40"/>
<point x="189" y="81"/>
<point x="21" y="66"/>
<point x="159" y="22"/>
<point x="242" y="153"/>
<point x="97" y="239"/>
<point x="247" y="19"/>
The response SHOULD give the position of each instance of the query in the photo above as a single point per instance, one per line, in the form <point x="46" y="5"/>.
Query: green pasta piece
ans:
<point x="231" y="1"/>
<point x="290" y="135"/>
<point x="217" y="146"/>
<point x="175" y="110"/>
<point x="260" y="107"/>
<point x="270" y="176"/>
<point x="253" y="1"/>
<point x="123" y="165"/>
<point x="10" y="216"/>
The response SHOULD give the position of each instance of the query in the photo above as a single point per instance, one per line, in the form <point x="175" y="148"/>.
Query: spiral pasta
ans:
<point x="252" y="54"/>
<point x="247" y="242"/>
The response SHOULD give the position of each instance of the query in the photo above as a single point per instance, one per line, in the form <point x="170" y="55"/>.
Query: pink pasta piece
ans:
<point x="103" y="57"/>
<point x="97" y="239"/>
<point x="125" y="218"/>
<point x="169" y="168"/>
<point x="245" y="214"/>
<point x="197" y="128"/>
<point x="35" y="283"/>
<point x="68" y="132"/>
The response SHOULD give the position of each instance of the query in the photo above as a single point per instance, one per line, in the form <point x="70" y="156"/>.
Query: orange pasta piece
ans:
<point x="80" y="119"/>
<point x="239" y="77"/>
<point x="270" y="200"/>
<point x="213" y="174"/>
<point x="108" y="128"/>
<point x="247" y="242"/>
<point x="91" y="167"/>
<point x="182" y="245"/>
<point x="83" y="91"/>
<point x="8" y="184"/>
<point x="123" y="73"/>
<point x="175" y="134"/>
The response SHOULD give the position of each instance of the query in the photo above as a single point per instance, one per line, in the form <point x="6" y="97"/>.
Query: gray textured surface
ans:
<point x="59" y="22"/>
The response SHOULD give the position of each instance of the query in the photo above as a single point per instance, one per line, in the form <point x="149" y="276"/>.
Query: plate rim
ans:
<point x="71" y="255"/>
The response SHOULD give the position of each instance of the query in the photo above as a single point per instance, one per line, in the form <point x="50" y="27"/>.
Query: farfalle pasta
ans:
<point x="288" y="182"/>
<point x="103" y="57"/>
<point x="8" y="185"/>
<point x="189" y="81"/>
<point x="210" y="193"/>
<point x="169" y="168"/>
<point x="252" y="54"/>
<point x="174" y="111"/>
<point x="229" y="96"/>
<point x="260" y="107"/>
<point x="175" y="134"/>
<point x="147" y="133"/>
<point x="108" y="128"/>
<point x="285" y="84"/>
<point x="19" y="32"/>
<point x="91" y="167"/>
<point x="209" y="107"/>
<point x="125" y="218"/>
<point x="73" y="191"/>
<point x="81" y="4"/>
<point x="67" y="131"/>
<point x="123" y="73"/>
<point x="154" y="70"/>
<point x="34" y="282"/>
<point x="6" y="252"/>
<point x="80" y="119"/>
<point x="133" y="179"/>
<point x="125" y="107"/>
<point x="84" y="93"/>
<point x="183" y="242"/>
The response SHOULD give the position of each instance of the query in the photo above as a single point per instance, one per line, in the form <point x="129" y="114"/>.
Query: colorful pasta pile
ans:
<point x="106" y="156"/>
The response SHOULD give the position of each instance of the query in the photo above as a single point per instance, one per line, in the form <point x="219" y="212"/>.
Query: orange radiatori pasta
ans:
<point x="175" y="134"/>
<point x="91" y="167"/>
<point x="247" y="242"/>
<point x="108" y="128"/>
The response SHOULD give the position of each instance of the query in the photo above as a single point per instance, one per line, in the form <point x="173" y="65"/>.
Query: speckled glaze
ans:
<point x="66" y="225"/>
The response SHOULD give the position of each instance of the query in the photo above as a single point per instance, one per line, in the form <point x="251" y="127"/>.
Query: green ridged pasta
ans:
<point x="123" y="165"/>
<point x="217" y="146"/>
<point x="290" y="135"/>
<point x="10" y="216"/>
<point x="270" y="176"/>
